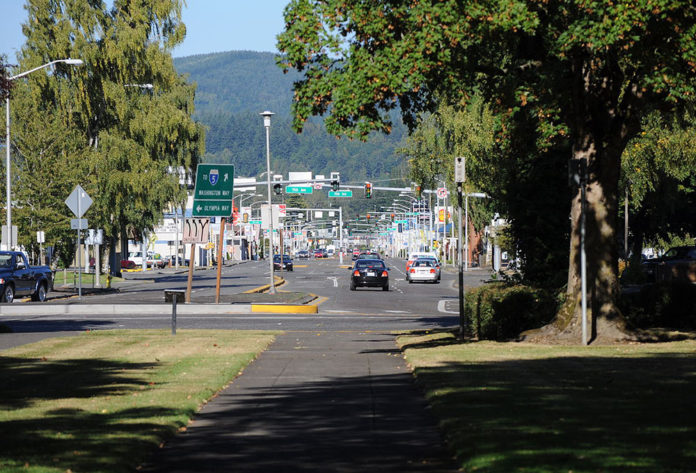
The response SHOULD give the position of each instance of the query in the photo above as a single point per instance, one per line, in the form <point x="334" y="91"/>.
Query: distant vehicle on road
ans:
<point x="286" y="264"/>
<point x="302" y="254"/>
<point x="418" y="254"/>
<point x="369" y="273"/>
<point x="320" y="253"/>
<point x="369" y="255"/>
<point x="18" y="278"/>
<point x="424" y="270"/>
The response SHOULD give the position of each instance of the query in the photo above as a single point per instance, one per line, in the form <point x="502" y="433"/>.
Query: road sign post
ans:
<point x="212" y="197"/>
<point x="79" y="202"/>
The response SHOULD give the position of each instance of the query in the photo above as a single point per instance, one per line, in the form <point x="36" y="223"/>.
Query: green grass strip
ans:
<point x="514" y="407"/>
<point x="102" y="401"/>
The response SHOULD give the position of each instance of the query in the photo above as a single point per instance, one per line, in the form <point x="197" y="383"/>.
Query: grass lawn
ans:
<point x="68" y="278"/>
<point x="101" y="401"/>
<point x="507" y="407"/>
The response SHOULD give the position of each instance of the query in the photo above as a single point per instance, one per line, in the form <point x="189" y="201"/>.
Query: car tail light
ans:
<point x="432" y="270"/>
<point x="412" y="270"/>
<point x="356" y="273"/>
<point x="385" y="274"/>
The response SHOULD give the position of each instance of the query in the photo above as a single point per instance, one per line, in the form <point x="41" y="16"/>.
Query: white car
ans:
<point x="424" y="270"/>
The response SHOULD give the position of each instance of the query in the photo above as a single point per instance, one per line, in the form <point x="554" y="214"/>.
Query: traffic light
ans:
<point x="368" y="190"/>
<point x="335" y="185"/>
<point x="418" y="192"/>
<point x="368" y="218"/>
<point x="278" y="189"/>
<point x="391" y="217"/>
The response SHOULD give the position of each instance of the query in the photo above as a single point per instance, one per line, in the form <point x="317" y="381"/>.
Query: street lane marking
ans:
<point x="442" y="307"/>
<point x="397" y="311"/>
<point x="334" y="279"/>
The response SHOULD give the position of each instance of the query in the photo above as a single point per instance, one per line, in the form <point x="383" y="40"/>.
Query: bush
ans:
<point x="500" y="311"/>
<point x="666" y="304"/>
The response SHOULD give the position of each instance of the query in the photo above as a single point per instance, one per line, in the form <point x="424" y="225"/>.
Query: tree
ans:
<point x="4" y="81"/>
<point x="659" y="175"/>
<point x="577" y="72"/>
<point x="133" y="110"/>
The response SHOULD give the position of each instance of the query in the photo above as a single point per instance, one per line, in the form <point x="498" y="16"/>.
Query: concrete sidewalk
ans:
<point x="314" y="402"/>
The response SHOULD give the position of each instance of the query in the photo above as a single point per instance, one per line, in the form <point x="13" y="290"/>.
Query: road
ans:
<point x="405" y="306"/>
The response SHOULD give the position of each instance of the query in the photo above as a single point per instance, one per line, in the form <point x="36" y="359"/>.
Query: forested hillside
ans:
<point x="234" y="87"/>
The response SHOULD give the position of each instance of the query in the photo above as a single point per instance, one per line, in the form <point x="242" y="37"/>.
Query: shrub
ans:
<point x="498" y="311"/>
<point x="666" y="304"/>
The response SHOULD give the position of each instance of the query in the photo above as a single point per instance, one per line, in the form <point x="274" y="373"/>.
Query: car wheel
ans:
<point x="352" y="287"/>
<point x="385" y="288"/>
<point x="40" y="294"/>
<point x="410" y="281"/>
<point x="8" y="294"/>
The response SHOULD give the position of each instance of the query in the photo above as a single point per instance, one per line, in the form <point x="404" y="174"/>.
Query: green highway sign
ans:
<point x="298" y="189"/>
<point x="212" y="208"/>
<point x="399" y="221"/>
<point x="255" y="222"/>
<point x="212" y="196"/>
<point x="346" y="193"/>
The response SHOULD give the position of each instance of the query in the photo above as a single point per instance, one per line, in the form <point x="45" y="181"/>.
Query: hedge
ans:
<point x="666" y="304"/>
<point x="499" y="311"/>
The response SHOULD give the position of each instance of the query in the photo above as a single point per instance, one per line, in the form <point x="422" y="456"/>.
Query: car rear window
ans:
<point x="369" y="265"/>
<point x="422" y="263"/>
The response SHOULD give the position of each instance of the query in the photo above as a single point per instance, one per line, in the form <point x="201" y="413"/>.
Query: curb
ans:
<point x="285" y="308"/>
<point x="277" y="282"/>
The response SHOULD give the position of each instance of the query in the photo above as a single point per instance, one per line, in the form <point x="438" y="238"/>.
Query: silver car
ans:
<point x="424" y="270"/>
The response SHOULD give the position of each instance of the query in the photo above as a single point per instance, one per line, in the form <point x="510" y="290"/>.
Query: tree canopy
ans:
<point x="125" y="114"/>
<point x="571" y="73"/>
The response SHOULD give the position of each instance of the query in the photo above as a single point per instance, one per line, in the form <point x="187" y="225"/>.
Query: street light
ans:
<point x="70" y="62"/>
<point x="267" y="124"/>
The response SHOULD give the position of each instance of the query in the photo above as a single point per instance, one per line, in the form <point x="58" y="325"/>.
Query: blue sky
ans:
<point x="212" y="26"/>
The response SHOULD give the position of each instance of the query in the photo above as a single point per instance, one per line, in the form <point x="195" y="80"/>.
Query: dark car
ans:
<point x="287" y="263"/>
<point x="369" y="273"/>
<point x="678" y="263"/>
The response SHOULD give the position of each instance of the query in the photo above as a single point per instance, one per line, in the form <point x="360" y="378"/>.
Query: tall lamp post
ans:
<point x="267" y="124"/>
<point x="69" y="61"/>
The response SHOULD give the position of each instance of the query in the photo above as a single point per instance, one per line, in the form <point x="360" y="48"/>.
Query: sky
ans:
<point x="211" y="25"/>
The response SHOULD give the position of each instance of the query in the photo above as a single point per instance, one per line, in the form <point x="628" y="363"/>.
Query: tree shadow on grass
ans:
<point x="583" y="414"/>
<point x="75" y="438"/>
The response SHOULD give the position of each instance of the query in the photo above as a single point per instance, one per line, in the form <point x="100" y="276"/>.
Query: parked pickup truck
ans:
<point x="18" y="278"/>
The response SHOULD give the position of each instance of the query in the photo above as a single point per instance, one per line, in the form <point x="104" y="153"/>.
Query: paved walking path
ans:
<point x="314" y="402"/>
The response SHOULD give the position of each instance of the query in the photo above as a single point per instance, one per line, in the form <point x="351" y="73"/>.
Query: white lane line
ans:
<point x="442" y="307"/>
<point x="397" y="311"/>
<point x="334" y="279"/>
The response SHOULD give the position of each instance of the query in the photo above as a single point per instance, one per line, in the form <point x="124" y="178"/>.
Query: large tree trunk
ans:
<point x="605" y="321"/>
<point x="601" y="125"/>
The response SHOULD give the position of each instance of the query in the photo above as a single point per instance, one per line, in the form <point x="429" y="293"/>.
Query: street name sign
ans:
<point x="298" y="189"/>
<point x="212" y="196"/>
<point x="344" y="193"/>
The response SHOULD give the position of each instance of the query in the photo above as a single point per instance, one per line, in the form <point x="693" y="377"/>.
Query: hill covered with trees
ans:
<point x="234" y="87"/>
